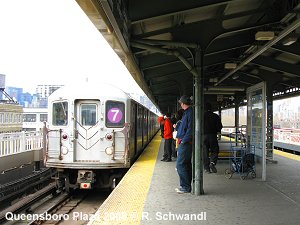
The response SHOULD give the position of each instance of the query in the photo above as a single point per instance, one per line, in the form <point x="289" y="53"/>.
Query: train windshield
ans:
<point x="88" y="114"/>
<point x="60" y="114"/>
<point x="115" y="114"/>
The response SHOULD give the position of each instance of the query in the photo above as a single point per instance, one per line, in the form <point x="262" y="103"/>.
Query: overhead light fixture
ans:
<point x="225" y="88"/>
<point x="264" y="35"/>
<point x="213" y="80"/>
<point x="230" y="66"/>
<point x="290" y="40"/>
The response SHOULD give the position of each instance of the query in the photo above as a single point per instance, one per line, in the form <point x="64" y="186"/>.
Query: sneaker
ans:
<point x="181" y="191"/>
<point x="168" y="160"/>
<point x="163" y="159"/>
<point x="213" y="167"/>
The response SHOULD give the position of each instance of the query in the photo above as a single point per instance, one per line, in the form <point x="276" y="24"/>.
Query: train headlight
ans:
<point x="109" y="150"/>
<point x="109" y="137"/>
<point x="64" y="150"/>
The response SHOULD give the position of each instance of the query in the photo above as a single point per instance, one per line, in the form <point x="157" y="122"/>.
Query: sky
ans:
<point x="54" y="42"/>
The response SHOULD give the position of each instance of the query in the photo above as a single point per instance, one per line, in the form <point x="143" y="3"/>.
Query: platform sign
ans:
<point x="256" y="125"/>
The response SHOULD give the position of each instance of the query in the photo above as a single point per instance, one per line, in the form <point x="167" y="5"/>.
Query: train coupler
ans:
<point x="85" y="179"/>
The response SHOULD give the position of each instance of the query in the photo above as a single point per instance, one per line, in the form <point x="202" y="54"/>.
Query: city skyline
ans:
<point x="39" y="99"/>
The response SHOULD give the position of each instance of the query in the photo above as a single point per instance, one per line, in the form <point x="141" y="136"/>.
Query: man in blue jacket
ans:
<point x="184" y="155"/>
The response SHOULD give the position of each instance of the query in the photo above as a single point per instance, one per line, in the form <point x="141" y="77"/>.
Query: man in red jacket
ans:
<point x="168" y="136"/>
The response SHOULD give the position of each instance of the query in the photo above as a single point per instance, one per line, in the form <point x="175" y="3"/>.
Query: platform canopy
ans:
<point x="243" y="42"/>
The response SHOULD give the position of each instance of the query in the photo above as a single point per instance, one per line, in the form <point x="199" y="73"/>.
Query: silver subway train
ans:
<point x="94" y="133"/>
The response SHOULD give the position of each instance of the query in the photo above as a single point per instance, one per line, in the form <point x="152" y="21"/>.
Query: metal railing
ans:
<point x="14" y="143"/>
<point x="232" y="130"/>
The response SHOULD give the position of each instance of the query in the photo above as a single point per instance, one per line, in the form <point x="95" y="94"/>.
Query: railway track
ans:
<point x="13" y="190"/>
<point x="50" y="206"/>
<point x="26" y="202"/>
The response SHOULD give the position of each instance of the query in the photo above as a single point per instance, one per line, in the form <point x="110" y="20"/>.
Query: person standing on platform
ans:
<point x="184" y="154"/>
<point x="161" y="121"/>
<point x="168" y="136"/>
<point x="174" y="121"/>
<point x="212" y="128"/>
<point x="176" y="126"/>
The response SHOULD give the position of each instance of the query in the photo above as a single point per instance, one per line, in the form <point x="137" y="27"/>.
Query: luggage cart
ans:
<point x="242" y="157"/>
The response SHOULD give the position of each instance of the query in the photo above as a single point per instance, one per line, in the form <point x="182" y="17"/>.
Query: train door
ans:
<point x="145" y="123"/>
<point x="87" y="123"/>
<point x="133" y="129"/>
<point x="139" y="128"/>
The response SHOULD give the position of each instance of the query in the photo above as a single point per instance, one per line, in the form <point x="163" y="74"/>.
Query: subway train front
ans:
<point x="94" y="134"/>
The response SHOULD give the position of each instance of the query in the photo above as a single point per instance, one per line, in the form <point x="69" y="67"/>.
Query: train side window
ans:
<point x="60" y="114"/>
<point x="115" y="114"/>
<point x="88" y="114"/>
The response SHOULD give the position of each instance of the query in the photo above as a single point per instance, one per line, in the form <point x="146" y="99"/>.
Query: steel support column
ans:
<point x="236" y="117"/>
<point x="236" y="114"/>
<point x="269" y="128"/>
<point x="198" y="107"/>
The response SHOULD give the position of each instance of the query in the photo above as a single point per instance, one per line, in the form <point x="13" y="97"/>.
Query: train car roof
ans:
<point x="88" y="91"/>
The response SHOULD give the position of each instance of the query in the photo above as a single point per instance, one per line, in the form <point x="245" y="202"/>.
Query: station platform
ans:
<point x="146" y="195"/>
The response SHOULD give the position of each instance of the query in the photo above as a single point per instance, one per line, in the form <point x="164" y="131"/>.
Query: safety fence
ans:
<point x="14" y="143"/>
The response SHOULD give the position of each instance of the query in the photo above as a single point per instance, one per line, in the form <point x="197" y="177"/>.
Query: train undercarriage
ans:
<point x="71" y="179"/>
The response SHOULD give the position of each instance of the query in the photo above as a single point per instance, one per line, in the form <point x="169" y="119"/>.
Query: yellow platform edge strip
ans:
<point x="287" y="155"/>
<point x="126" y="203"/>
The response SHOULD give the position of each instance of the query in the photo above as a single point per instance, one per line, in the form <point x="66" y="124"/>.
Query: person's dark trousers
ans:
<point x="162" y="130"/>
<point x="168" y="149"/>
<point x="184" y="166"/>
<point x="174" y="153"/>
<point x="210" y="144"/>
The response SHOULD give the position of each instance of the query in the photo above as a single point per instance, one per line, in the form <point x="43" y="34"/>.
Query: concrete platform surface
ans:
<point x="226" y="201"/>
<point x="146" y="195"/>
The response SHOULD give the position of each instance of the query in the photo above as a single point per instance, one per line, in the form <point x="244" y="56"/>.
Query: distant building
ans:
<point x="26" y="99"/>
<point x="35" y="102"/>
<point x="15" y="93"/>
<point x="43" y="92"/>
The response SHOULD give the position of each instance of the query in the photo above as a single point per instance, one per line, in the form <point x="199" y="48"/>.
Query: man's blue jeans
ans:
<point x="184" y="166"/>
